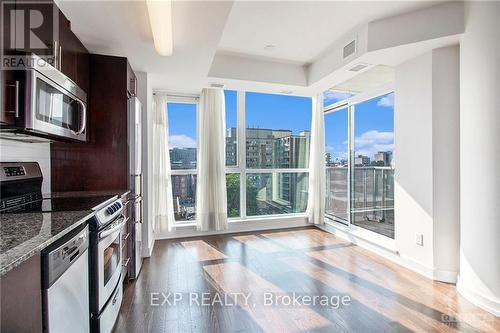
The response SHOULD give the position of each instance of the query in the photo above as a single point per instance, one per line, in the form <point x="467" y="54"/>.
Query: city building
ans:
<point x="361" y="160"/>
<point x="183" y="158"/>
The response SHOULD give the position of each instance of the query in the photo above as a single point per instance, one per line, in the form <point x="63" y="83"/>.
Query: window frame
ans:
<point x="350" y="104"/>
<point x="185" y="99"/>
<point x="242" y="170"/>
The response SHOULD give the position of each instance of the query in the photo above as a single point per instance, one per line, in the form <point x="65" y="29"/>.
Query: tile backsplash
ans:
<point x="15" y="151"/>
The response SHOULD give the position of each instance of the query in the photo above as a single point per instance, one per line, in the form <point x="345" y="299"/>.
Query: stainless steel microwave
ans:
<point x="42" y="101"/>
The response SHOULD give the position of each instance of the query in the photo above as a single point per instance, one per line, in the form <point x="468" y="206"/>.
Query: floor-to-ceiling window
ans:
<point x="373" y="165"/>
<point x="182" y="122"/>
<point x="337" y="167"/>
<point x="267" y="154"/>
<point x="359" y="138"/>
<point x="233" y="173"/>
<point x="267" y="169"/>
<point x="277" y="140"/>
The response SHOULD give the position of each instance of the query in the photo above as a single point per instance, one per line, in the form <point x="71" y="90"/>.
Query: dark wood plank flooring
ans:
<point x="384" y="297"/>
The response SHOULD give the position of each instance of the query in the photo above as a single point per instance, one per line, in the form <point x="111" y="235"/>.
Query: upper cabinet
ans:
<point x="52" y="36"/>
<point x="131" y="81"/>
<point x="74" y="58"/>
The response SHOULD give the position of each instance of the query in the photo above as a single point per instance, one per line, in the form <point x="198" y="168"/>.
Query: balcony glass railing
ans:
<point x="372" y="197"/>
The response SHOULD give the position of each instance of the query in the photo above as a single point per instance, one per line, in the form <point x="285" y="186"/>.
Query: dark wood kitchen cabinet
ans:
<point x="21" y="298"/>
<point x="74" y="61"/>
<point x="102" y="163"/>
<point x="70" y="55"/>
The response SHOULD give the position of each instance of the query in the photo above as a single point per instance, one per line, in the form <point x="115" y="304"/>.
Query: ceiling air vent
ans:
<point x="349" y="49"/>
<point x="358" y="67"/>
<point x="217" y="85"/>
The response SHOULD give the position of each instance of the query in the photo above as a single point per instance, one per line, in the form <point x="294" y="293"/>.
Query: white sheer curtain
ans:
<point x="163" y="205"/>
<point x="211" y="200"/>
<point x="317" y="177"/>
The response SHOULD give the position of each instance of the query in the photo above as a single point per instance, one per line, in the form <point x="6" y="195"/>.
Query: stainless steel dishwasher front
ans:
<point x="65" y="283"/>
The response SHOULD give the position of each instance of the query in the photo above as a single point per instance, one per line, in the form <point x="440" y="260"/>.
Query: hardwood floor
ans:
<point x="253" y="270"/>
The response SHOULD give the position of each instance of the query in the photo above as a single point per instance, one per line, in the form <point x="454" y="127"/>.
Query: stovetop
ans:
<point x="59" y="204"/>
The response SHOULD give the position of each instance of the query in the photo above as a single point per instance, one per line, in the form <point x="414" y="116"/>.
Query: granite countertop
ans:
<point x="22" y="235"/>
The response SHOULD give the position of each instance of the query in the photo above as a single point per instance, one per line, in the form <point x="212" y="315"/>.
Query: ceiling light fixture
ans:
<point x="269" y="47"/>
<point x="160" y="19"/>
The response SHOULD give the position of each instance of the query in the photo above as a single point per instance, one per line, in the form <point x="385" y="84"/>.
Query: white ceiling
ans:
<point x="300" y="30"/>
<point x="122" y="28"/>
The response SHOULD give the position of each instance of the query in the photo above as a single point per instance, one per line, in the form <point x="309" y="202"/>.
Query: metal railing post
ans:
<point x="384" y="185"/>
<point x="365" y="199"/>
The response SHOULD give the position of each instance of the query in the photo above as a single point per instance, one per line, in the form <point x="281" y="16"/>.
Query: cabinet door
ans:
<point x="12" y="96"/>
<point x="44" y="16"/>
<point x="67" y="48"/>
<point x="82" y="67"/>
<point x="131" y="81"/>
<point x="21" y="301"/>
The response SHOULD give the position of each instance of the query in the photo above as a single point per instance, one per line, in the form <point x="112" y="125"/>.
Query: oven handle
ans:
<point x="108" y="232"/>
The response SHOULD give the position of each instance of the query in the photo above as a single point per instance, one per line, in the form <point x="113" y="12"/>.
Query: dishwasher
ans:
<point x="65" y="283"/>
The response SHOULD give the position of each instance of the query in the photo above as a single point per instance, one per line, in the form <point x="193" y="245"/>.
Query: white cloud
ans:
<point x="371" y="142"/>
<point x="386" y="101"/>
<point x="181" y="141"/>
<point x="337" y="151"/>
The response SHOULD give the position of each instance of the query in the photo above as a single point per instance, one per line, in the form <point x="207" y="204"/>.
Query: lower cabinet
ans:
<point x="21" y="300"/>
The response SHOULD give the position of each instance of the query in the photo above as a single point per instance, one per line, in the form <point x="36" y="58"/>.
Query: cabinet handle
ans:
<point x="56" y="56"/>
<point x="60" y="56"/>
<point x="126" y="262"/>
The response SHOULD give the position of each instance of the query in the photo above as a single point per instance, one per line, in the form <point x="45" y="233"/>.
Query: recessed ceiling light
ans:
<point x="269" y="47"/>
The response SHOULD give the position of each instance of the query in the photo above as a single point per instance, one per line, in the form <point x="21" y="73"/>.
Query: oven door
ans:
<point x="109" y="260"/>
<point x="53" y="110"/>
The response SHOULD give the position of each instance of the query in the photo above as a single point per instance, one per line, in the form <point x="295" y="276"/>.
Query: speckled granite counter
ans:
<point x="25" y="234"/>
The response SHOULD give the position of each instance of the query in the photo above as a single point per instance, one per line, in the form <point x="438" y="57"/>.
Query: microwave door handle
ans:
<point x="84" y="117"/>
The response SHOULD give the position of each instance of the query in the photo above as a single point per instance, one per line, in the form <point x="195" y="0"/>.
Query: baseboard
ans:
<point x="388" y="251"/>
<point x="240" y="226"/>
<point x="485" y="303"/>
<point x="445" y="276"/>
<point x="149" y="250"/>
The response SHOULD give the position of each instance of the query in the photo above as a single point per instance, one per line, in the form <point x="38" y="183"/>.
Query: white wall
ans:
<point x="15" y="151"/>
<point x="479" y="277"/>
<point x="145" y="95"/>
<point x="446" y="160"/>
<point x="413" y="156"/>
<point x="427" y="162"/>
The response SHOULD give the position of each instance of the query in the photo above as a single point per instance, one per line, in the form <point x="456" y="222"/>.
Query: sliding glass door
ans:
<point x="337" y="168"/>
<point x="372" y="191"/>
<point x="359" y="139"/>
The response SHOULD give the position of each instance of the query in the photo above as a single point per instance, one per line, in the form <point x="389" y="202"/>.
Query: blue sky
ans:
<point x="373" y="129"/>
<point x="278" y="112"/>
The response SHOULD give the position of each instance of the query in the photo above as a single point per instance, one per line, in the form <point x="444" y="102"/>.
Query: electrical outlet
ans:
<point x="419" y="239"/>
